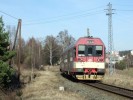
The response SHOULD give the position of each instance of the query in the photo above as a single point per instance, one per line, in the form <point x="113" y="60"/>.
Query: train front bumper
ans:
<point x="80" y="74"/>
<point x="89" y="77"/>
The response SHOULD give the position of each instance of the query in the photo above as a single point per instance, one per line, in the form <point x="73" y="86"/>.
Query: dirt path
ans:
<point x="46" y="87"/>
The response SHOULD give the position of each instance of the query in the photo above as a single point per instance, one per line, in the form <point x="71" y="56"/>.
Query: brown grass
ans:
<point x="122" y="78"/>
<point x="46" y="87"/>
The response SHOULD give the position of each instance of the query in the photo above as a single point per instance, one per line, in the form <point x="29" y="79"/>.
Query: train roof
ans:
<point x="89" y="40"/>
<point x="81" y="39"/>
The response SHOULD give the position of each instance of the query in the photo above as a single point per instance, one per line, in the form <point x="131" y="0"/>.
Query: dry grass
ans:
<point x="46" y="87"/>
<point x="122" y="78"/>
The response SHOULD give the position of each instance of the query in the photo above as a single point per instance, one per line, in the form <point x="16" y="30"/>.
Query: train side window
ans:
<point x="74" y="52"/>
<point x="81" y="50"/>
<point x="99" y="50"/>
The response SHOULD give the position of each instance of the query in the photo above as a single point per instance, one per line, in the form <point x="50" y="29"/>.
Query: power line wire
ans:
<point x="65" y="15"/>
<point x="67" y="18"/>
<point x="123" y="20"/>
<point x="129" y="5"/>
<point x="8" y="15"/>
<point x="125" y="10"/>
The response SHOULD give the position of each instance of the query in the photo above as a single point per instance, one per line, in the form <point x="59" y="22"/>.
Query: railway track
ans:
<point x="106" y="87"/>
<point x="114" y="89"/>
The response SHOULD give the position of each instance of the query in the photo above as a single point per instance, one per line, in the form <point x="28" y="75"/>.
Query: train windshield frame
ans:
<point x="90" y="50"/>
<point x="81" y="50"/>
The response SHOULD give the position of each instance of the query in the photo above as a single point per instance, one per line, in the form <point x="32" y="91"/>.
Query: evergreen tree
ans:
<point x="5" y="70"/>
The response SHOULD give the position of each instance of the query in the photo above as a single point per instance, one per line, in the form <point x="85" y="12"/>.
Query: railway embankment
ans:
<point x="49" y="84"/>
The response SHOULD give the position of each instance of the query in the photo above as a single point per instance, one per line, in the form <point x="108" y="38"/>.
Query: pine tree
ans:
<point x="5" y="54"/>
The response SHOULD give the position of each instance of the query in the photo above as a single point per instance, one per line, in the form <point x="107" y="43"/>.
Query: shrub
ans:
<point x="6" y="73"/>
<point x="120" y="65"/>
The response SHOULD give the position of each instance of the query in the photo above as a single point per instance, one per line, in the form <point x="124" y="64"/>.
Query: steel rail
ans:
<point x="113" y="89"/>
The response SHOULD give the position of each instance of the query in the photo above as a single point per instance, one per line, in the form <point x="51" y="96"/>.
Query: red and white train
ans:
<point x="85" y="59"/>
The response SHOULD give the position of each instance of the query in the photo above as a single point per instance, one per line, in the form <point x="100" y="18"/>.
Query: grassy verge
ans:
<point x="46" y="87"/>
<point x="122" y="78"/>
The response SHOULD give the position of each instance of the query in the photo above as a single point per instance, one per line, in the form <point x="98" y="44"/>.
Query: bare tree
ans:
<point x="12" y="31"/>
<point x="51" y="49"/>
<point x="64" y="39"/>
<point x="31" y="52"/>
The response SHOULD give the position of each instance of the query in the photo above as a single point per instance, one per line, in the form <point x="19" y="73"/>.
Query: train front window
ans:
<point x="81" y="50"/>
<point x="90" y="50"/>
<point x="99" y="50"/>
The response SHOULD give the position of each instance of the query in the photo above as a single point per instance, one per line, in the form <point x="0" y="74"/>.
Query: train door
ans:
<point x="68" y="61"/>
<point x="89" y="52"/>
<point x="74" y="54"/>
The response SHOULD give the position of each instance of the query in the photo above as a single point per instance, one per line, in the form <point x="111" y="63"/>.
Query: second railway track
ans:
<point x="114" y="89"/>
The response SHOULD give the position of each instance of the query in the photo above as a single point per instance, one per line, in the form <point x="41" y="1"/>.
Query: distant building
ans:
<point x="116" y="57"/>
<point x="122" y="55"/>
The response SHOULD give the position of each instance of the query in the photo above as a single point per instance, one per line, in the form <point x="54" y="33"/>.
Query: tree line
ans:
<point x="34" y="52"/>
<point x="44" y="51"/>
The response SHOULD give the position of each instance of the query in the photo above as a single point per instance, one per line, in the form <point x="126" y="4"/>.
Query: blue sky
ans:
<point x="48" y="17"/>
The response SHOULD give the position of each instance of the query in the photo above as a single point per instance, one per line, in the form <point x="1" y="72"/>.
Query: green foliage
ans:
<point x="126" y="52"/>
<point x="6" y="71"/>
<point x="121" y="65"/>
<point x="8" y="55"/>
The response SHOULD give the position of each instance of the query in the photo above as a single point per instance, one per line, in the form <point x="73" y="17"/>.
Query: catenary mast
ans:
<point x="111" y="65"/>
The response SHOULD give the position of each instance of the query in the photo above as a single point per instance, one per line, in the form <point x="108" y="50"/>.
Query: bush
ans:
<point x="6" y="73"/>
<point x="120" y="65"/>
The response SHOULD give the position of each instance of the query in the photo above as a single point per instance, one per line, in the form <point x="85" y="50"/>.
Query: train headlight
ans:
<point x="100" y="60"/>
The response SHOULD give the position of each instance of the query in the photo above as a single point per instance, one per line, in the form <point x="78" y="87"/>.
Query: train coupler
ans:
<point x="90" y="72"/>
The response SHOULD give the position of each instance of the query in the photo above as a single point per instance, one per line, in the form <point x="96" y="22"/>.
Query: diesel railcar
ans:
<point x="85" y="59"/>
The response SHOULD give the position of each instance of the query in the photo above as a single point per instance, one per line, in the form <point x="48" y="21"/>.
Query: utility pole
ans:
<point x="19" y="46"/>
<point x="18" y="35"/>
<point x="32" y="60"/>
<point x="111" y="65"/>
<point x="39" y="54"/>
